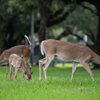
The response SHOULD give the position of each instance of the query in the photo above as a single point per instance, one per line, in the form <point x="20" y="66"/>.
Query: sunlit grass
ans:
<point x="69" y="65"/>
<point x="57" y="87"/>
<point x="66" y="65"/>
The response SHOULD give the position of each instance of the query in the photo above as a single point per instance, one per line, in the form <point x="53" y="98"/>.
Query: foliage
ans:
<point x="58" y="86"/>
<point x="84" y="20"/>
<point x="16" y="18"/>
<point x="80" y="20"/>
<point x="15" y="21"/>
<point x="51" y="19"/>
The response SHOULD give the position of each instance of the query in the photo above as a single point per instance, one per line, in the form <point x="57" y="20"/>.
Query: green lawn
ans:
<point x="57" y="87"/>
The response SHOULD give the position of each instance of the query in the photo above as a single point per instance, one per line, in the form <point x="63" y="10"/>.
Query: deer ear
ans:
<point x="32" y="72"/>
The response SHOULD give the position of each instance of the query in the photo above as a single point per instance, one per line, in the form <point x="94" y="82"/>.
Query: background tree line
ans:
<point x="65" y="20"/>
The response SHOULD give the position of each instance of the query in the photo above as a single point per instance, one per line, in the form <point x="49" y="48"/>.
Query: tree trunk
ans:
<point x="45" y="13"/>
<point x="42" y="32"/>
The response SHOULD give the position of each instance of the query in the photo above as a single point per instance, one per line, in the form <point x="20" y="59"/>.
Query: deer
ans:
<point x="19" y="64"/>
<point x="21" y="50"/>
<point x="67" y="51"/>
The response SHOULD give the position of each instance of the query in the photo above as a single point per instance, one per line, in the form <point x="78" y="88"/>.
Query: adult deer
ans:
<point x="19" y="64"/>
<point x="68" y="51"/>
<point x="21" y="50"/>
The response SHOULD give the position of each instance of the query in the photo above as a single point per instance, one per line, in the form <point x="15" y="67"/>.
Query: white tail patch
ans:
<point x="41" y="48"/>
<point x="27" y="39"/>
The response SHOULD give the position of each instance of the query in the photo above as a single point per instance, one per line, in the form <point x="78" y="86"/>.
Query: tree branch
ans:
<point x="58" y="20"/>
<point x="67" y="32"/>
<point x="89" y="9"/>
<point x="56" y="13"/>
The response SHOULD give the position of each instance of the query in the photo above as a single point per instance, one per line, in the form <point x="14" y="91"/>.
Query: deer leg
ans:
<point x="87" y="68"/>
<point x="40" y="71"/>
<point x="46" y="65"/>
<point x="23" y="76"/>
<point x="16" y="73"/>
<point x="41" y="62"/>
<point x="74" y="69"/>
<point x="11" y="71"/>
<point x="7" y="68"/>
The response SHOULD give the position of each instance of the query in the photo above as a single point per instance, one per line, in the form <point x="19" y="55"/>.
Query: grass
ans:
<point x="57" y="87"/>
<point x="69" y="65"/>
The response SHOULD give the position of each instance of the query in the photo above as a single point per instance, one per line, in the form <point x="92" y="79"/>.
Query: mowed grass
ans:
<point x="57" y="87"/>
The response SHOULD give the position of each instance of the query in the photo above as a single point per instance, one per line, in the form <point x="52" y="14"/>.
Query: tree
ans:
<point x="15" y="20"/>
<point x="94" y="38"/>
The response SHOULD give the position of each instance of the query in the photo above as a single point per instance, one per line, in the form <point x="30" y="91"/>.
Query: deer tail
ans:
<point x="96" y="59"/>
<point x="41" y="48"/>
<point x="28" y="42"/>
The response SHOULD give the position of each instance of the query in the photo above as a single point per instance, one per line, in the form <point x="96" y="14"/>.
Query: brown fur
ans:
<point x="68" y="51"/>
<point x="21" y="50"/>
<point x="17" y="61"/>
